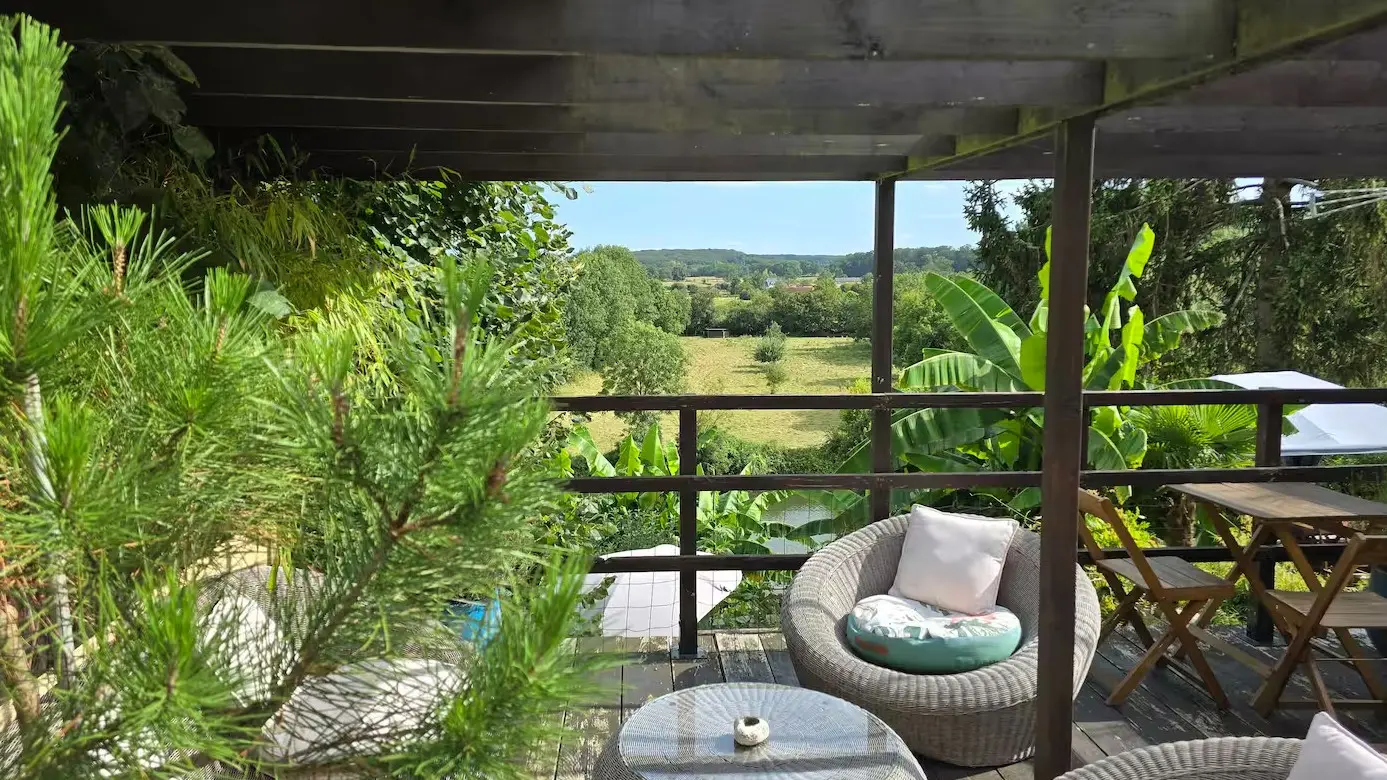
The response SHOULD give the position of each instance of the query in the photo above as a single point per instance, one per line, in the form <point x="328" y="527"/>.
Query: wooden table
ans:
<point x="1278" y="511"/>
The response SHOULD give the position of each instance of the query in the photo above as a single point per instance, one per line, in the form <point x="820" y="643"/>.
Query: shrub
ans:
<point x="643" y="360"/>
<point x="776" y="375"/>
<point x="771" y="347"/>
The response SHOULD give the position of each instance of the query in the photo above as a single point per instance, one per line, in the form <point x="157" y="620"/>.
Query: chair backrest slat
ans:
<point x="1103" y="509"/>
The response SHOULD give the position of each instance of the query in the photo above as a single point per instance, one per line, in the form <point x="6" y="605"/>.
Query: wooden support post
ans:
<point x="1260" y="626"/>
<point x="688" y="534"/>
<point x="883" y="282"/>
<point x="1063" y="443"/>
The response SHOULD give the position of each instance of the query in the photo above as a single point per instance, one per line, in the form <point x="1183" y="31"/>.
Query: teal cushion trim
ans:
<point x="924" y="652"/>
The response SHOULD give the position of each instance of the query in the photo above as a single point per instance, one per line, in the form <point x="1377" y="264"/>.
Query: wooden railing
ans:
<point x="1270" y="403"/>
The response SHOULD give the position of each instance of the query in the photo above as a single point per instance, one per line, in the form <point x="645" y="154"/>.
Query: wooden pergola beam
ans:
<point x="485" y="166"/>
<point x="641" y="144"/>
<point x="683" y="81"/>
<point x="784" y="29"/>
<point x="266" y="111"/>
<point x="1281" y="53"/>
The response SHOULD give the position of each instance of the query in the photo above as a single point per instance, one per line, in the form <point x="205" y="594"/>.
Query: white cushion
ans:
<point x="1332" y="751"/>
<point x="953" y="561"/>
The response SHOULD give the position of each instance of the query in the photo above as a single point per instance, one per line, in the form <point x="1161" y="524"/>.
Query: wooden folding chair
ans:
<point x="1308" y="614"/>
<point x="1165" y="582"/>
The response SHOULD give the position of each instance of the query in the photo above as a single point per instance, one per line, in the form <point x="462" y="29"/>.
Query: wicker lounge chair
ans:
<point x="1230" y="758"/>
<point x="984" y="717"/>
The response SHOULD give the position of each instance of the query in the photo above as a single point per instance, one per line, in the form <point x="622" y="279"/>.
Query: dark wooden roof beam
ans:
<point x="893" y="30"/>
<point x="721" y="83"/>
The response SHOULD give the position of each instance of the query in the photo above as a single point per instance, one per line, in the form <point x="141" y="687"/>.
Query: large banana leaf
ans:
<point x="957" y="369"/>
<point x="580" y="443"/>
<point x="653" y="453"/>
<point x="993" y="304"/>
<point x="1124" y="288"/>
<point x="1132" y="334"/>
<point x="926" y="431"/>
<point x="989" y="338"/>
<point x="1105" y="366"/>
<point x="628" y="458"/>
<point x="1163" y="333"/>
<point x="1104" y="455"/>
<point x="1033" y="361"/>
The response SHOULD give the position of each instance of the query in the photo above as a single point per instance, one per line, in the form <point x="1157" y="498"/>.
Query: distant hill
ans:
<point x="679" y="263"/>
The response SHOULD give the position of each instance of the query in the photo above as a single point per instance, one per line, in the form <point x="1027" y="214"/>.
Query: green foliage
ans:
<point x="730" y="522"/>
<point x="1008" y="354"/>
<point x="702" y="311"/>
<point x="750" y="318"/>
<point x="776" y="375"/>
<point x="918" y="322"/>
<point x="730" y="263"/>
<point x="613" y="290"/>
<point x="640" y="359"/>
<point x="770" y="348"/>
<point x="174" y="420"/>
<point x="123" y="102"/>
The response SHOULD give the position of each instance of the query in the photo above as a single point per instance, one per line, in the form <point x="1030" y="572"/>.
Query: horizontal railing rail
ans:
<point x="1270" y="402"/>
<point x="1315" y="553"/>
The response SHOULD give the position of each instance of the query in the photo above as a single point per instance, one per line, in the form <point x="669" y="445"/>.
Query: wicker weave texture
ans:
<point x="985" y="717"/>
<point x="687" y="735"/>
<point x="1231" y="758"/>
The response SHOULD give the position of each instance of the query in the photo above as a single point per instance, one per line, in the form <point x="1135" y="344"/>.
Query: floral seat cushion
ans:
<point x="912" y="637"/>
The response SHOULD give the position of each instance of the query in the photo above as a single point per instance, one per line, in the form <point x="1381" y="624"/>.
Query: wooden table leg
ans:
<point x="1244" y="565"/>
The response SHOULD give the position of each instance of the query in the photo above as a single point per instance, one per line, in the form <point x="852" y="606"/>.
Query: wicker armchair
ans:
<point x="985" y="717"/>
<point x="1230" y="758"/>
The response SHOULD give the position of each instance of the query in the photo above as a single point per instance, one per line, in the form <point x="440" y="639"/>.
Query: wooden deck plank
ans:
<point x="1296" y="722"/>
<point x="647" y="673"/>
<point x="743" y="658"/>
<point x="1109" y="729"/>
<point x="1192" y="705"/>
<point x="1164" y="708"/>
<point x="779" y="658"/>
<point x="706" y="669"/>
<point x="1153" y="719"/>
<point x="592" y="721"/>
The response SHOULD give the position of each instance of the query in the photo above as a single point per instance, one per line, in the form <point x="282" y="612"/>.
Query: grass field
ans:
<point x="725" y="366"/>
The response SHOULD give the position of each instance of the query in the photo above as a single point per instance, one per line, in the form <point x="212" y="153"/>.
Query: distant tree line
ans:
<point x="678" y="264"/>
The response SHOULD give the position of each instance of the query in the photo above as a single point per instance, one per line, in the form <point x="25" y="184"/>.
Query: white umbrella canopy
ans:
<point x="1322" y="429"/>
<point x="647" y="603"/>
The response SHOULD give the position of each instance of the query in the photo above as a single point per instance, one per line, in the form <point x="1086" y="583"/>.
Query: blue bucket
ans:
<point x="475" y="621"/>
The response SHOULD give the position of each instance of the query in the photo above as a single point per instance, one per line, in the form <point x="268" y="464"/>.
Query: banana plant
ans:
<point x="1007" y="355"/>
<point x="728" y="522"/>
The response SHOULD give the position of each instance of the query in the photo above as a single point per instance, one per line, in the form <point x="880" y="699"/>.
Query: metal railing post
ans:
<point x="1259" y="623"/>
<point x="688" y="534"/>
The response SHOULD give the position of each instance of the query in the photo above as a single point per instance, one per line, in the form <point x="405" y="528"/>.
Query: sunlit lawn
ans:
<point x="725" y="366"/>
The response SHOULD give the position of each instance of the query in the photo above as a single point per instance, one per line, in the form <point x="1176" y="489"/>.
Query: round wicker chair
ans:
<point x="985" y="717"/>
<point x="1231" y="758"/>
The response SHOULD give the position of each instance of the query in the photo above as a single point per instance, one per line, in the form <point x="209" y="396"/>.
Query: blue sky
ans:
<point x="760" y="217"/>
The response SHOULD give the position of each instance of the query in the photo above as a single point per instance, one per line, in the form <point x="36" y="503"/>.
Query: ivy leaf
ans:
<point x="193" y="143"/>
<point x="175" y="66"/>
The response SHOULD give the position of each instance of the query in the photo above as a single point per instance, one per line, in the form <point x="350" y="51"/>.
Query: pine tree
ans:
<point x="224" y="553"/>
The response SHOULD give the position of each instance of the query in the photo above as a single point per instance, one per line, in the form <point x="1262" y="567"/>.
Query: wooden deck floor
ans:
<point x="1163" y="709"/>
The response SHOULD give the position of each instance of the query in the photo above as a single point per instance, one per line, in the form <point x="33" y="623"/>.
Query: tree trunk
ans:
<point x="58" y="586"/>
<point x="1271" y="351"/>
<point x="14" y="666"/>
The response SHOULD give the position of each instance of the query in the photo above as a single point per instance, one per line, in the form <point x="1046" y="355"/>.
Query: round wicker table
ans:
<point x="688" y="735"/>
